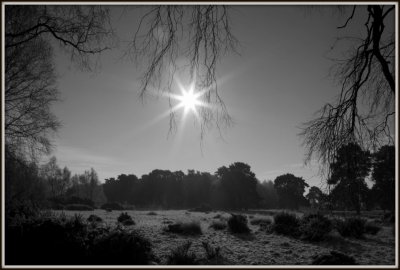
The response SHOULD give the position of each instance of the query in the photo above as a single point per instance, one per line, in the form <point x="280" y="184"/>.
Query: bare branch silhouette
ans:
<point x="364" y="110"/>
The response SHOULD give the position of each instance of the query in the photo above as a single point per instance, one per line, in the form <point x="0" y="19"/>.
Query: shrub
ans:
<point x="371" y="228"/>
<point x="78" y="207"/>
<point x="351" y="227"/>
<point x="315" y="227"/>
<point x="112" y="206"/>
<point x="152" y="213"/>
<point x="238" y="224"/>
<point x="125" y="219"/>
<point x="218" y="225"/>
<point x="286" y="224"/>
<point x="94" y="218"/>
<point x="217" y="216"/>
<point x="182" y="256"/>
<point x="122" y="248"/>
<point x="46" y="240"/>
<point x="189" y="228"/>
<point x="334" y="258"/>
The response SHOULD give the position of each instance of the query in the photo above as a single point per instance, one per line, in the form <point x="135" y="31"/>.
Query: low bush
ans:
<point x="189" y="228"/>
<point x="372" y="228"/>
<point x="152" y="213"/>
<point x="315" y="227"/>
<point x="125" y="219"/>
<point x="78" y="207"/>
<point x="238" y="224"/>
<point x="46" y="241"/>
<point x="112" y="206"/>
<point x="182" y="256"/>
<point x="120" y="247"/>
<point x="94" y="218"/>
<point x="218" y="225"/>
<point x="351" y="227"/>
<point x="286" y="224"/>
<point x="61" y="240"/>
<point x="333" y="258"/>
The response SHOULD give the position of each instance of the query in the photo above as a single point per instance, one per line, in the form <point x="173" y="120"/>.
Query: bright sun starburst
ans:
<point x="189" y="100"/>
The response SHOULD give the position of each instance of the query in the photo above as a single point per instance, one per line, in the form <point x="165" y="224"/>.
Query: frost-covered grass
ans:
<point x="262" y="248"/>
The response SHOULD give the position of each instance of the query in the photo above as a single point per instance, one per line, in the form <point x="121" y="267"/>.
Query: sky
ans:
<point x="277" y="83"/>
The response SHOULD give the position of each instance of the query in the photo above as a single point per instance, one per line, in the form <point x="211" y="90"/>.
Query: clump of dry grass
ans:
<point x="185" y="228"/>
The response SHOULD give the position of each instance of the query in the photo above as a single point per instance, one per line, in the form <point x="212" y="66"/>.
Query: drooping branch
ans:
<point x="192" y="37"/>
<point x="364" y="110"/>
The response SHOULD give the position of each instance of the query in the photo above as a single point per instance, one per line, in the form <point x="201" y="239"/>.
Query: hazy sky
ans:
<point x="277" y="83"/>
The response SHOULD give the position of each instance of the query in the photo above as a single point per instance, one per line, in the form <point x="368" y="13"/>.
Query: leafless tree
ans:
<point x="364" y="111"/>
<point x="197" y="35"/>
<point x="30" y="80"/>
<point x="30" y="90"/>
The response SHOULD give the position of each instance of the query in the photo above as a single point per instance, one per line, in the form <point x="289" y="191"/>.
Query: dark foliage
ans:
<point x="182" y="256"/>
<point x="315" y="227"/>
<point x="334" y="258"/>
<point x="125" y="219"/>
<point x="52" y="240"/>
<point x="78" y="207"/>
<point x="94" y="218"/>
<point x="112" y="206"/>
<point x="286" y="224"/>
<point x="46" y="241"/>
<point x="152" y="213"/>
<point x="238" y="224"/>
<point x="189" y="228"/>
<point x="351" y="227"/>
<point x="290" y="191"/>
<point x="121" y="247"/>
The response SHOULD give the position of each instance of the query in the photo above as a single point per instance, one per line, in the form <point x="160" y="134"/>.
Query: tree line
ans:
<point x="233" y="187"/>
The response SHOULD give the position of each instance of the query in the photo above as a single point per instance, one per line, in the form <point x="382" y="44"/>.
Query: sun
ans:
<point x="189" y="100"/>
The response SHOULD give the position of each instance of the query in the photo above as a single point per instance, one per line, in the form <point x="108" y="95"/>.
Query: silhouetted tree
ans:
<point x="383" y="176"/>
<point x="316" y="197"/>
<point x="290" y="191"/>
<point x="120" y="189"/>
<point x="349" y="169"/>
<point x="239" y="185"/>
<point x="364" y="111"/>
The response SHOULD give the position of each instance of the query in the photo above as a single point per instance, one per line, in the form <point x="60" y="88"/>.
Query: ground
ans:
<point x="258" y="248"/>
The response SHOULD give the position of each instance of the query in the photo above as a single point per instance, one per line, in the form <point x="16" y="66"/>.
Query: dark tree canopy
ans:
<point x="349" y="170"/>
<point x="291" y="191"/>
<point x="383" y="175"/>
<point x="316" y="197"/>
<point x="239" y="184"/>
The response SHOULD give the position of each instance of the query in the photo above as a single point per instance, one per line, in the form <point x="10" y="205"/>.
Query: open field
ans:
<point x="256" y="248"/>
